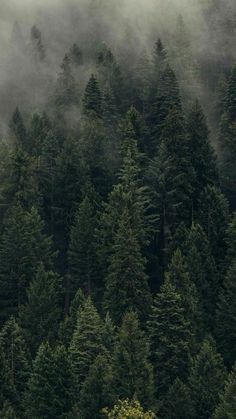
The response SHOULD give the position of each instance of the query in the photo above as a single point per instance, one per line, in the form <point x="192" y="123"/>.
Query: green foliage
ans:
<point x="132" y="369"/>
<point x="23" y="246"/>
<point x="49" y="388"/>
<point x="206" y="379"/>
<point x="128" y="410"/>
<point x="227" y="404"/>
<point x="7" y="388"/>
<point x="18" y="129"/>
<point x="66" y="94"/>
<point x="86" y="343"/>
<point x="170" y="337"/>
<point x="225" y="316"/>
<point x="92" y="100"/>
<point x="177" y="403"/>
<point x="41" y="313"/>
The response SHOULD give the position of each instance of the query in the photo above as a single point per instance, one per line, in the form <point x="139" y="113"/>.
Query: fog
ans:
<point x="129" y="27"/>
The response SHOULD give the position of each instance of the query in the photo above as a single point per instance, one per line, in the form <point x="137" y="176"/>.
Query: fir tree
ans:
<point x="97" y="390"/>
<point x="178" y="403"/>
<point x="170" y="337"/>
<point x="225" y="317"/>
<point x="18" y="129"/>
<point x="37" y="47"/>
<point x="206" y="380"/>
<point x="231" y="241"/>
<point x="41" y="313"/>
<point x="76" y="55"/>
<point x="92" y="98"/>
<point x="7" y="388"/>
<point x="66" y="93"/>
<point x="16" y="353"/>
<point x="23" y="246"/>
<point x="227" y="404"/>
<point x="132" y="369"/>
<point x="49" y="388"/>
<point x="86" y="343"/>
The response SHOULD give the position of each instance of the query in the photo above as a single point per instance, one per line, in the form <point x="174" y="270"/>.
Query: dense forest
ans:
<point x="117" y="209"/>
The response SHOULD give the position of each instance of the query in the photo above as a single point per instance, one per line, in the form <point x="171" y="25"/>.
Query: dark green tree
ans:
<point x="49" y="390"/>
<point x="170" y="338"/>
<point x="23" y="246"/>
<point x="19" y="130"/>
<point x="206" y="379"/>
<point x="16" y="353"/>
<point x="41" y="313"/>
<point x="231" y="241"/>
<point x="225" y="317"/>
<point x="227" y="404"/>
<point x="177" y="403"/>
<point x="66" y="94"/>
<point x="86" y="343"/>
<point x="92" y="101"/>
<point x="132" y="368"/>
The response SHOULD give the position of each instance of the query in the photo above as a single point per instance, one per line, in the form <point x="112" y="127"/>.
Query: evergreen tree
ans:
<point x="41" y="313"/>
<point x="86" y="343"/>
<point x="227" y="404"/>
<point x="170" y="337"/>
<point x="16" y="353"/>
<point x="40" y="126"/>
<point x="202" y="269"/>
<point x="213" y="216"/>
<point x="132" y="369"/>
<point x="206" y="380"/>
<point x="49" y="388"/>
<point x="82" y="254"/>
<point x="68" y="325"/>
<point x="37" y="47"/>
<point x="231" y="241"/>
<point x="225" y="317"/>
<point x="92" y="98"/>
<point x="177" y="403"/>
<point x="7" y="388"/>
<point x="97" y="389"/>
<point x="18" y="129"/>
<point x="66" y="94"/>
<point x="23" y="246"/>
<point x="76" y="55"/>
<point x="200" y="150"/>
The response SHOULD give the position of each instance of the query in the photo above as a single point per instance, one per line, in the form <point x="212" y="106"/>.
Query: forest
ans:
<point x="118" y="209"/>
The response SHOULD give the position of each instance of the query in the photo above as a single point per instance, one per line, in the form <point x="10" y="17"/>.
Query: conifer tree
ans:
<point x="76" y="55"/>
<point x="170" y="337"/>
<point x="213" y="216"/>
<point x="18" y="129"/>
<point x="201" y="152"/>
<point x="23" y="245"/>
<point x="132" y="368"/>
<point x="225" y="317"/>
<point x="68" y="325"/>
<point x="97" y="391"/>
<point x="227" y="404"/>
<point x="92" y="100"/>
<point x="82" y="254"/>
<point x="40" y="126"/>
<point x="86" y="343"/>
<point x="231" y="241"/>
<point x="66" y="94"/>
<point x="37" y="47"/>
<point x="49" y="390"/>
<point x="16" y="353"/>
<point x="42" y="311"/>
<point x="7" y="388"/>
<point x="177" y="403"/>
<point x="206" y="379"/>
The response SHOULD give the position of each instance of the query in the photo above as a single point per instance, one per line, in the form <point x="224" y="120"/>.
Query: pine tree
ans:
<point x="97" y="392"/>
<point x="177" y="403"/>
<point x="170" y="338"/>
<point x="41" y="313"/>
<point x="92" y="100"/>
<point x="7" y="388"/>
<point x="16" y="353"/>
<point x="49" y="391"/>
<point x="225" y="317"/>
<point x="231" y="241"/>
<point x="126" y="281"/>
<point x="206" y="379"/>
<point x="76" y="55"/>
<point x="159" y="58"/>
<point x="213" y="216"/>
<point x="202" y="269"/>
<point x="178" y="275"/>
<point x="23" y="245"/>
<point x="37" y="47"/>
<point x="82" y="253"/>
<point x="40" y="126"/>
<point x="68" y="325"/>
<point x="227" y="404"/>
<point x="18" y="129"/>
<point x="66" y="94"/>
<point x="86" y="343"/>
<point x="201" y="152"/>
<point x="132" y="368"/>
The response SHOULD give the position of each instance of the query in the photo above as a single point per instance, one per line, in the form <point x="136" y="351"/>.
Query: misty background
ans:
<point x="130" y="28"/>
